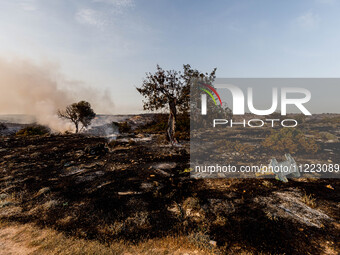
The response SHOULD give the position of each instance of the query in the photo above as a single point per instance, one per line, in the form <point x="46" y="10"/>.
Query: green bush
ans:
<point x="33" y="130"/>
<point x="290" y="140"/>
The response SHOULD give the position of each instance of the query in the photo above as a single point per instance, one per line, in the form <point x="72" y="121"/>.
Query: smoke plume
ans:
<point x="39" y="90"/>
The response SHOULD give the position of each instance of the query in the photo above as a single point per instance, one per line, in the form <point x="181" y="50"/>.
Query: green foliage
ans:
<point x="33" y="130"/>
<point x="290" y="140"/>
<point x="160" y="88"/>
<point x="163" y="87"/>
<point x="171" y="90"/>
<point x="218" y="111"/>
<point x="78" y="113"/>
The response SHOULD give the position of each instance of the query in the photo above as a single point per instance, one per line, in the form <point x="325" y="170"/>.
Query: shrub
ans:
<point x="243" y="148"/>
<point x="237" y="146"/>
<point x="332" y="120"/>
<point x="275" y="115"/>
<point x="290" y="140"/>
<point x="300" y="118"/>
<point x="33" y="130"/>
<point x="2" y="127"/>
<point x="160" y="123"/>
<point x="123" y="127"/>
<point x="326" y="136"/>
<point x="309" y="200"/>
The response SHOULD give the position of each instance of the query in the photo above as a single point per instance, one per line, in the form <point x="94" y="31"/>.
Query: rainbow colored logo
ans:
<point x="209" y="93"/>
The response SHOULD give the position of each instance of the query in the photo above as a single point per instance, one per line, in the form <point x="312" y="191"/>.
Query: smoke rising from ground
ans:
<point x="39" y="90"/>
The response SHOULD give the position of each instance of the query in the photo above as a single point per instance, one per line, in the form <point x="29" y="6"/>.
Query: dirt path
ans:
<point x="29" y="239"/>
<point x="14" y="240"/>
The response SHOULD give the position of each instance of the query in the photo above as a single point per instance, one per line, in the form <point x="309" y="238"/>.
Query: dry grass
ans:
<point x="309" y="200"/>
<point x="29" y="239"/>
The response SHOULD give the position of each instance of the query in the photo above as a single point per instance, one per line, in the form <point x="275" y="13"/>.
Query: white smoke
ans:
<point x="39" y="90"/>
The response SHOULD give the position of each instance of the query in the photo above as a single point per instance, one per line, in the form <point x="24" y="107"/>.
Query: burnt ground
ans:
<point x="135" y="191"/>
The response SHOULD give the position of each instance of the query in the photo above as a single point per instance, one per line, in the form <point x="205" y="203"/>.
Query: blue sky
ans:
<point x="112" y="43"/>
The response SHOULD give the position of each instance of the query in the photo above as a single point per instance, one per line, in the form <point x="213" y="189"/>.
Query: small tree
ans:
<point x="169" y="89"/>
<point x="79" y="113"/>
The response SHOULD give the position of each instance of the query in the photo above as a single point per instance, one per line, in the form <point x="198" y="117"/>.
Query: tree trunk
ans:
<point x="77" y="127"/>
<point x="172" y="121"/>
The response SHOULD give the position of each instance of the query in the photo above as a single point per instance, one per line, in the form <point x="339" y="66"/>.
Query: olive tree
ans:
<point x="80" y="114"/>
<point x="170" y="90"/>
